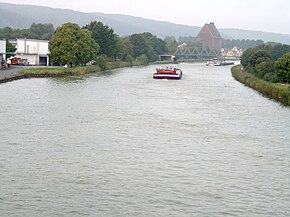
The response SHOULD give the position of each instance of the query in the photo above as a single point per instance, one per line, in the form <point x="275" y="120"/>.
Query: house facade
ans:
<point x="232" y="53"/>
<point x="32" y="51"/>
<point x="2" y="50"/>
<point x="210" y="37"/>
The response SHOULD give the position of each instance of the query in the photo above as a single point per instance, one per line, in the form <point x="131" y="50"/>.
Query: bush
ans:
<point x="271" y="77"/>
<point x="264" y="68"/>
<point x="102" y="62"/>
<point x="142" y="60"/>
<point x="283" y="68"/>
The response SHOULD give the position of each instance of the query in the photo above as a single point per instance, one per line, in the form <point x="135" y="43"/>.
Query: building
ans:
<point x="2" y="50"/>
<point x="32" y="51"/>
<point x="167" y="57"/>
<point x="231" y="53"/>
<point x="210" y="37"/>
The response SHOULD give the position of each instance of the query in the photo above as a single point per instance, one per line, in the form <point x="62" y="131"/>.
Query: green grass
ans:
<point x="48" y="70"/>
<point x="51" y="71"/>
<point x="61" y="71"/>
<point x="277" y="91"/>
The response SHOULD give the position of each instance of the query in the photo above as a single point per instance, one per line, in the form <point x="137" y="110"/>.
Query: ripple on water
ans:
<point x="125" y="144"/>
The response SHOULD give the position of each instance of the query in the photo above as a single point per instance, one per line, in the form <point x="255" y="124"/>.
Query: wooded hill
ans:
<point x="22" y="16"/>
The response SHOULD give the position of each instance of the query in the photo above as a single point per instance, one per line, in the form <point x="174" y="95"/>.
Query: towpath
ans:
<point x="12" y="70"/>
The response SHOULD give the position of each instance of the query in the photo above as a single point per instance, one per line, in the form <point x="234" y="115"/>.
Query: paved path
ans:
<point x="12" y="70"/>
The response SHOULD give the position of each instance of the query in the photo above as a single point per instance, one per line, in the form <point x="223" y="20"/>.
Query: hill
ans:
<point x="22" y="16"/>
<point x="254" y="35"/>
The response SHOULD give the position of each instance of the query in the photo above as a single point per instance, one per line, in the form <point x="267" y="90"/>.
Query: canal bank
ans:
<point x="22" y="72"/>
<point x="279" y="92"/>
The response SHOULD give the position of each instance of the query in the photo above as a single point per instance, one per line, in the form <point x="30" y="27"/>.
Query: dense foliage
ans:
<point x="36" y="31"/>
<point x="243" y="44"/>
<point x="72" y="45"/>
<point x="283" y="68"/>
<point x="10" y="49"/>
<point x="268" y="62"/>
<point x="105" y="37"/>
<point x="96" y="43"/>
<point x="148" y="45"/>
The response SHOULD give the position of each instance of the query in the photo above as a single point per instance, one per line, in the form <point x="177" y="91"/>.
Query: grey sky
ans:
<point x="262" y="15"/>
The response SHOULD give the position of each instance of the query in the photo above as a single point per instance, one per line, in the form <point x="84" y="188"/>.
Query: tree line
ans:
<point x="191" y="41"/>
<point x="270" y="62"/>
<point x="36" y="31"/>
<point x="75" y="45"/>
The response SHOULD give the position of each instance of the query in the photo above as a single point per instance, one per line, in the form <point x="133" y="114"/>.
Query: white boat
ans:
<point x="213" y="62"/>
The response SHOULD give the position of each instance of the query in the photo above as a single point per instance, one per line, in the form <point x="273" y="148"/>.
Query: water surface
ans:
<point x="124" y="144"/>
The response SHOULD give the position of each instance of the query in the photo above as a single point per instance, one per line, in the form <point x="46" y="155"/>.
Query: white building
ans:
<point x="2" y="50"/>
<point x="34" y="52"/>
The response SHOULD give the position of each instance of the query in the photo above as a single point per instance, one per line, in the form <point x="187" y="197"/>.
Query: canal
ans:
<point x="124" y="144"/>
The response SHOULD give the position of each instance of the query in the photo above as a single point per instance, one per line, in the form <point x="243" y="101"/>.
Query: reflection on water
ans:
<point x="125" y="144"/>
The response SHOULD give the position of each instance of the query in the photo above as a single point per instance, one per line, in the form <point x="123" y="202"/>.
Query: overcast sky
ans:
<point x="262" y="15"/>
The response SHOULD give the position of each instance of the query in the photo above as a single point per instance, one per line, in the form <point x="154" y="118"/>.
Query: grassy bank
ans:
<point x="277" y="91"/>
<point x="38" y="72"/>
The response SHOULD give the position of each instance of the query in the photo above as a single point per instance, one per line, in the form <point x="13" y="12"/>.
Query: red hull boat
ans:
<point x="168" y="73"/>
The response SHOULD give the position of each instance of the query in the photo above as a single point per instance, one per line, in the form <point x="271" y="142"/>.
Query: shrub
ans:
<point x="142" y="60"/>
<point x="283" y="68"/>
<point x="102" y="62"/>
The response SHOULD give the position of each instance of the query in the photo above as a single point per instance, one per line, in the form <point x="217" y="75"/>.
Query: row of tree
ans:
<point x="268" y="62"/>
<point x="75" y="45"/>
<point x="243" y="44"/>
<point x="36" y="31"/>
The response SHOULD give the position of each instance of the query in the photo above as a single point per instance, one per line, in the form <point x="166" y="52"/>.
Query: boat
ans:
<point x="212" y="62"/>
<point x="216" y="62"/>
<point x="224" y="63"/>
<point x="169" y="72"/>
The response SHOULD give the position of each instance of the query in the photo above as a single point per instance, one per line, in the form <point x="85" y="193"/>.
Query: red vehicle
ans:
<point x="15" y="61"/>
<point x="168" y="73"/>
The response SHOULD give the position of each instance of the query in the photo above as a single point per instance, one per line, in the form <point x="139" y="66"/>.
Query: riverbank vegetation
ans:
<point x="277" y="91"/>
<point x="266" y="68"/>
<point x="268" y="62"/>
<point x="96" y="42"/>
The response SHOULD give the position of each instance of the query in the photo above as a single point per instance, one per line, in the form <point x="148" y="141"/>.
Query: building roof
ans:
<point x="35" y="40"/>
<point x="213" y="30"/>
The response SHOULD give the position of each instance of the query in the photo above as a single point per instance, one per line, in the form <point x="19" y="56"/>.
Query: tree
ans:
<point x="73" y="45"/>
<point x="266" y="70"/>
<point x="140" y="45"/>
<point x="282" y="66"/>
<point x="279" y="50"/>
<point x="36" y="31"/>
<point x="10" y="49"/>
<point x="143" y="59"/>
<point x="7" y="33"/>
<point x="156" y="46"/>
<point x="124" y="48"/>
<point x="42" y="31"/>
<point x="258" y="57"/>
<point x="171" y="43"/>
<point x="246" y="55"/>
<point x="147" y="44"/>
<point x="105" y="37"/>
